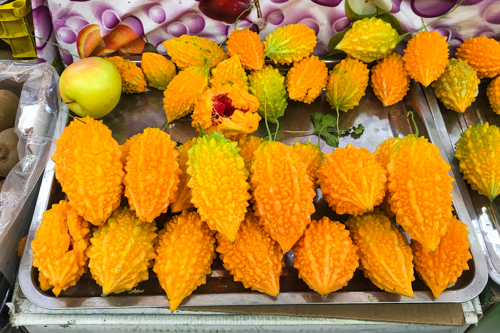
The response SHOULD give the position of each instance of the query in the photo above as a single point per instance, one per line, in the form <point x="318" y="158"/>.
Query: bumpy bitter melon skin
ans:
<point x="306" y="79"/>
<point x="458" y="86"/>
<point x="133" y="80"/>
<point x="426" y="56"/>
<point x="347" y="84"/>
<point x="254" y="258"/>
<point x="158" y="70"/>
<point x="88" y="167"/>
<point x="230" y="72"/>
<point x="478" y="152"/>
<point x="248" y="146"/>
<point x="182" y="198"/>
<point x="386" y="258"/>
<point x="227" y="109"/>
<point x="352" y="181"/>
<point x="325" y="256"/>
<point x="121" y="252"/>
<point x="382" y="155"/>
<point x="444" y="266"/>
<point x="390" y="80"/>
<point x="125" y="148"/>
<point x="185" y="252"/>
<point x="282" y="192"/>
<point x="312" y="156"/>
<point x="268" y="85"/>
<point x="482" y="54"/>
<point x="218" y="183"/>
<point x="248" y="46"/>
<point x="290" y="43"/>
<point x="420" y="189"/>
<point x="186" y="51"/>
<point x="183" y="91"/>
<point x="59" y="248"/>
<point x="369" y="39"/>
<point x="493" y="93"/>
<point x="152" y="174"/>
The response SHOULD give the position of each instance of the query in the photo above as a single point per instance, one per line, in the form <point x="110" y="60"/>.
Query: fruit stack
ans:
<point x="248" y="199"/>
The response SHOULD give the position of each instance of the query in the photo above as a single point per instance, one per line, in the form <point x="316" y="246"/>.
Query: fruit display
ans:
<point x="91" y="87"/>
<point x="493" y="93"/>
<point x="347" y="84"/>
<point x="133" y="80"/>
<point x="158" y="70"/>
<point x="306" y="79"/>
<point x="134" y="240"/>
<point x="232" y="188"/>
<point x="182" y="198"/>
<point x="248" y="46"/>
<point x="8" y="151"/>
<point x="426" y="56"/>
<point x="457" y="87"/>
<point x="227" y="109"/>
<point x="184" y="253"/>
<point x="186" y="51"/>
<point x="254" y="258"/>
<point x="59" y="248"/>
<point x="385" y="256"/>
<point x="477" y="152"/>
<point x="352" y="180"/>
<point x="151" y="174"/>
<point x="369" y="39"/>
<point x="88" y="167"/>
<point x="230" y="72"/>
<point x="218" y="183"/>
<point x="282" y="192"/>
<point x="390" y="80"/>
<point x="325" y="256"/>
<point x="268" y="85"/>
<point x="441" y="268"/>
<point x="183" y="91"/>
<point x="290" y="43"/>
<point x="482" y="54"/>
<point x="420" y="190"/>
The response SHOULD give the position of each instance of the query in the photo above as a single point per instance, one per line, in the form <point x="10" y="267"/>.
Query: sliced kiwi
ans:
<point x="8" y="151"/>
<point x="8" y="109"/>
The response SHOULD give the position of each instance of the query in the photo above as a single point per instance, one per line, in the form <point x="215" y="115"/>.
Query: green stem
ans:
<point x="276" y="132"/>
<point x="164" y="123"/>
<point x="333" y="53"/>
<point x="299" y="132"/>
<point x="423" y="23"/>
<point x="433" y="22"/>
<point x="218" y="48"/>
<point x="202" y="130"/>
<point x="338" y="119"/>
<point x="59" y="46"/>
<point x="239" y="16"/>
<point x="265" y="120"/>
<point x="74" y="117"/>
<point x="414" y="123"/>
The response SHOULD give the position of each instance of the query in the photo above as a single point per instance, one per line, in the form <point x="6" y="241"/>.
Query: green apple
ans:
<point x="91" y="87"/>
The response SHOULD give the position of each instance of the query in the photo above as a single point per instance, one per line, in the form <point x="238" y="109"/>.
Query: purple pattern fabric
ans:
<point x="61" y="21"/>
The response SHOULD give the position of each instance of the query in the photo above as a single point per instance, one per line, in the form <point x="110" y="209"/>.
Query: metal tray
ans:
<point x="135" y="112"/>
<point x="484" y="213"/>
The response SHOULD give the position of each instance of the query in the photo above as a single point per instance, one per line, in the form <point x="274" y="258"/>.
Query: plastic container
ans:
<point x="16" y="27"/>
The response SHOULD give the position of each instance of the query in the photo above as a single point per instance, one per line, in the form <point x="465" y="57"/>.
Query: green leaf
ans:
<point x="316" y="119"/>
<point x="58" y="64"/>
<point x="149" y="48"/>
<point x="329" y="121"/>
<point x="393" y="21"/>
<point x="358" y="131"/>
<point x="330" y="139"/>
<point x="335" y="40"/>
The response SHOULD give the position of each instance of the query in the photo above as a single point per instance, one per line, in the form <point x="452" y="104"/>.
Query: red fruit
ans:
<point x="225" y="10"/>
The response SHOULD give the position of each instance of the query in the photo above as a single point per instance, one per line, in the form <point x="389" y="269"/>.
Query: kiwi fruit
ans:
<point x="8" y="151"/>
<point x="8" y="109"/>
<point x="1" y="184"/>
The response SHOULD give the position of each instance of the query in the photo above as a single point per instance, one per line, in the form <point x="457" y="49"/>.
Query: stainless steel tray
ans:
<point x="484" y="213"/>
<point x="135" y="112"/>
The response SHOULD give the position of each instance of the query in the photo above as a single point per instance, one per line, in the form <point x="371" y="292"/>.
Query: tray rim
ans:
<point x="494" y="274"/>
<point x="465" y="294"/>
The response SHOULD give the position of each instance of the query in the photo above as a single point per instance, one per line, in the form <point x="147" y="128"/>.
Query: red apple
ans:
<point x="225" y="10"/>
